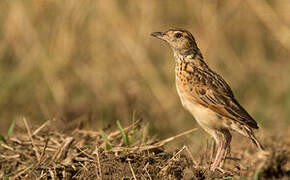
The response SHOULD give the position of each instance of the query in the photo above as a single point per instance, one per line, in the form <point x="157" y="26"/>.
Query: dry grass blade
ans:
<point x="84" y="153"/>
<point x="99" y="173"/>
<point x="165" y="141"/>
<point x="43" y="151"/>
<point x="62" y="149"/>
<point x="10" y="157"/>
<point x="190" y="155"/>
<point x="31" y="139"/>
<point x="165" y="166"/>
<point x="148" y="174"/>
<point x="41" y="127"/>
<point x="52" y="175"/>
<point x="177" y="153"/>
<point x="7" y="147"/>
<point x="152" y="146"/>
<point x="22" y="171"/>
<point x="132" y="171"/>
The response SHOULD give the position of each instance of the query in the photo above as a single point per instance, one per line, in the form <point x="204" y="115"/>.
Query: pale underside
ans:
<point x="205" y="117"/>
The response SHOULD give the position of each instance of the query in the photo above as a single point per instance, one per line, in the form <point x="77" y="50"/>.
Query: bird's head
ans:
<point x="180" y="40"/>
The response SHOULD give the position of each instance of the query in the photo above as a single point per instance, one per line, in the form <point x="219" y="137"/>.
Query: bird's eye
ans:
<point x="178" y="35"/>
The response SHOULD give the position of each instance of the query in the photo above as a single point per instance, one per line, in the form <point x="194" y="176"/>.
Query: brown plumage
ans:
<point x="205" y="94"/>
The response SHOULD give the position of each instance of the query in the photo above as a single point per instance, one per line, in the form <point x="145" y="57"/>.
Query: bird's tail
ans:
<point x="248" y="132"/>
<point x="251" y="135"/>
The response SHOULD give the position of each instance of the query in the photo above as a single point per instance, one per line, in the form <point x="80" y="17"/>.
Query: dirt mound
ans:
<point x="49" y="154"/>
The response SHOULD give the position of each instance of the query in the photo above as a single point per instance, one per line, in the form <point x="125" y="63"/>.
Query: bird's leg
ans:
<point x="213" y="145"/>
<point x="228" y="139"/>
<point x="223" y="144"/>
<point x="219" y="155"/>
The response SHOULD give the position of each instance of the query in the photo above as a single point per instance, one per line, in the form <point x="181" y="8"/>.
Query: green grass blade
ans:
<point x="37" y="173"/>
<point x="256" y="175"/>
<point x="10" y="130"/>
<point x="124" y="135"/>
<point x="104" y="136"/>
<point x="2" y="139"/>
<point x="5" y="177"/>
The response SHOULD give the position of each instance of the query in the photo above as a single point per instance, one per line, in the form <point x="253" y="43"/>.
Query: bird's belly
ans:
<point x="205" y="117"/>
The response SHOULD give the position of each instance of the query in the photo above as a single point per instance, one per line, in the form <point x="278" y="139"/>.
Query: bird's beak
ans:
<point x="159" y="35"/>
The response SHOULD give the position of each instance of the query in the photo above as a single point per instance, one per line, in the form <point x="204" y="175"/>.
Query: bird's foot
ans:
<point x="212" y="168"/>
<point x="221" y="170"/>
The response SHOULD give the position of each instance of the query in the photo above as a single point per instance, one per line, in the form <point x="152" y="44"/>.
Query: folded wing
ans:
<point x="213" y="92"/>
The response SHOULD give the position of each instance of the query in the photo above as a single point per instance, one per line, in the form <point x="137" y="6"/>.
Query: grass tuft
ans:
<point x="10" y="130"/>
<point x="2" y="139"/>
<point x="256" y="174"/>
<point x="105" y="138"/>
<point x="124" y="134"/>
<point x="5" y="176"/>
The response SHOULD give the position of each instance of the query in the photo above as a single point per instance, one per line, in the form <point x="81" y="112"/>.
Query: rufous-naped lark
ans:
<point x="206" y="95"/>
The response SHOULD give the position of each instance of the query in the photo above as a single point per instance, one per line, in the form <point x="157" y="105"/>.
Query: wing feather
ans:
<point x="213" y="92"/>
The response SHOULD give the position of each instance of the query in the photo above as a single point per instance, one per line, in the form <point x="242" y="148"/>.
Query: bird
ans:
<point x="206" y="95"/>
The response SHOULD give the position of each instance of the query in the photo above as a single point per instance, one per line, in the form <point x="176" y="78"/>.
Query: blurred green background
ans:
<point x="89" y="63"/>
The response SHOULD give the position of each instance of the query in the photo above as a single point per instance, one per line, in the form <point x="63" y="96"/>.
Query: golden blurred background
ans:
<point x="91" y="62"/>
